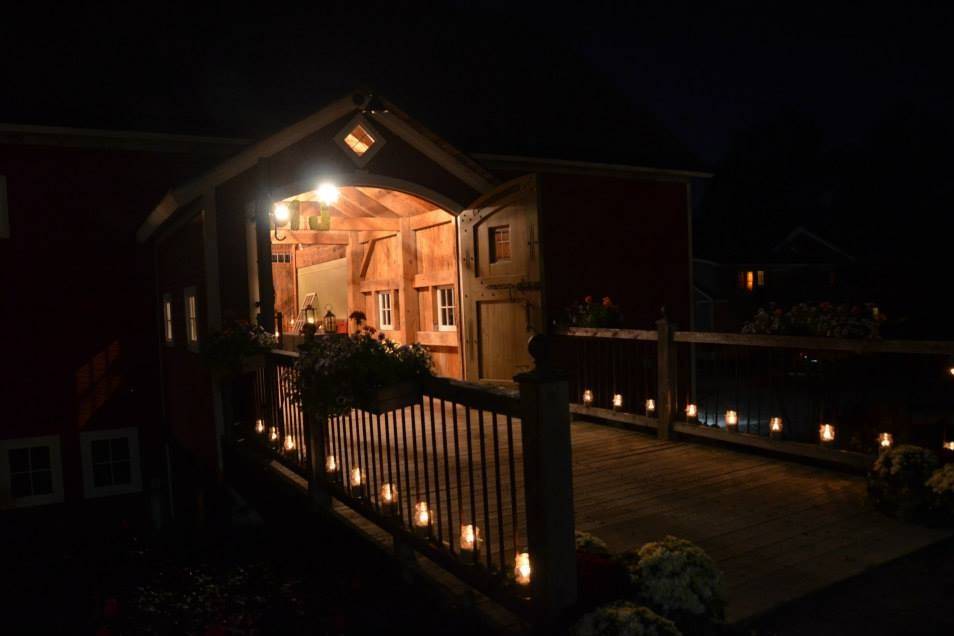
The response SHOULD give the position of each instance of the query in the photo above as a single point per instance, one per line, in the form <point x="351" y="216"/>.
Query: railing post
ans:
<point x="666" y="380"/>
<point x="317" y="422"/>
<point x="548" y="484"/>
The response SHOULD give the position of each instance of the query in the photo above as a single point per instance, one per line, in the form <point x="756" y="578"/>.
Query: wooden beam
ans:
<point x="432" y="279"/>
<point x="430" y="219"/>
<point x="312" y="237"/>
<point x="365" y="223"/>
<point x="378" y="284"/>
<point x="438" y="338"/>
<point x="375" y="235"/>
<point x="401" y="203"/>
<point x="407" y="295"/>
<point x="366" y="256"/>
<point x="354" y="256"/>
<point x="369" y="206"/>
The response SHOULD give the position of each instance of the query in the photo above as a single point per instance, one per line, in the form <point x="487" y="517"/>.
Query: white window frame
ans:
<point x="440" y="295"/>
<point x="386" y="309"/>
<point x="168" y="333"/>
<point x="56" y="471"/>
<point x="4" y="209"/>
<point x="90" y="491"/>
<point x="191" y="313"/>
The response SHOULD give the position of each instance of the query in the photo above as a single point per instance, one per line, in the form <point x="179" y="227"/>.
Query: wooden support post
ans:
<point x="407" y="296"/>
<point x="317" y="424"/>
<point x="666" y="380"/>
<point x="264" y="249"/>
<point x="354" y="255"/>
<point x="548" y="483"/>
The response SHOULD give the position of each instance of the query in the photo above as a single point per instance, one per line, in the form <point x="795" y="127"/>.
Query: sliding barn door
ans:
<point x="500" y="276"/>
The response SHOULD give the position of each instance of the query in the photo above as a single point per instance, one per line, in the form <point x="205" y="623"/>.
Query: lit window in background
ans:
<point x="359" y="140"/>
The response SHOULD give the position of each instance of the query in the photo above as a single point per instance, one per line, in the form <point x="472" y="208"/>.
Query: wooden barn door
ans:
<point x="500" y="278"/>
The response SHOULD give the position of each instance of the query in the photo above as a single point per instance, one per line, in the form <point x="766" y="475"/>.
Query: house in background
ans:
<point x="80" y="384"/>
<point x="361" y="207"/>
<point x="802" y="267"/>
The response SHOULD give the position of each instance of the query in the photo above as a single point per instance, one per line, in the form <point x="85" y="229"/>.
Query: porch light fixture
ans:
<point x="885" y="441"/>
<point x="280" y="216"/>
<point x="826" y="434"/>
<point x="422" y="520"/>
<point x="732" y="421"/>
<point x="259" y="426"/>
<point x="587" y="397"/>
<point x="327" y="193"/>
<point x="521" y="568"/>
<point x="388" y="498"/>
<point x="469" y="540"/>
<point x="775" y="428"/>
<point x="650" y="407"/>
<point x="617" y="401"/>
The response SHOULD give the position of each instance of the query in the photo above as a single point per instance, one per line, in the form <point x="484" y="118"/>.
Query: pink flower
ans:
<point x="588" y="300"/>
<point x="607" y="302"/>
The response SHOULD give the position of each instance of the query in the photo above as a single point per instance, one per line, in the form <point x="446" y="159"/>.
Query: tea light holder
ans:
<point x="826" y="434"/>
<point x="331" y="467"/>
<point x="885" y="441"/>
<point x="259" y="426"/>
<point x="948" y="446"/>
<point x="775" y="428"/>
<point x="692" y="413"/>
<point x="587" y="397"/>
<point x="522" y="569"/>
<point x="650" y="407"/>
<point x="421" y="524"/>
<point x="469" y="543"/>
<point x="273" y="434"/>
<point x="289" y="444"/>
<point x="389" y="499"/>
<point x="732" y="421"/>
<point x="356" y="481"/>
<point x="617" y="401"/>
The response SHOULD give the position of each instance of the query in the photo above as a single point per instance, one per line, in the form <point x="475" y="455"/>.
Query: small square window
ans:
<point x="111" y="462"/>
<point x="30" y="470"/>
<point x="359" y="140"/>
<point x="446" y="309"/>
<point x="500" y="243"/>
<point x="385" y="311"/>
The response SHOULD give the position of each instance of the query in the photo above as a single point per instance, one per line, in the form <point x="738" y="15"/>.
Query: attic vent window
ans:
<point x="359" y="140"/>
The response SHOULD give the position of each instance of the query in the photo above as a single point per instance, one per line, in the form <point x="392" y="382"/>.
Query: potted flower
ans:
<point x="624" y="618"/>
<point x="238" y="348"/>
<point x="590" y="313"/>
<point x="941" y="488"/>
<point x="336" y="373"/>
<point x="897" y="481"/>
<point x="600" y="577"/>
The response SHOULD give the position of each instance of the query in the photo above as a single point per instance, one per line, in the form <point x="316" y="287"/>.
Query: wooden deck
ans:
<point x="777" y="530"/>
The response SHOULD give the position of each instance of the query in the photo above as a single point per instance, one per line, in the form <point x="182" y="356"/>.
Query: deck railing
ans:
<point x="464" y="466"/>
<point x="752" y="384"/>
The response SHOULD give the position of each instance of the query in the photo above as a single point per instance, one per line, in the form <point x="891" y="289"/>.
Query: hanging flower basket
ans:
<point x="391" y="397"/>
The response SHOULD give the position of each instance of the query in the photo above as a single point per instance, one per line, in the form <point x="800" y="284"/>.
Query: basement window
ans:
<point x="359" y="140"/>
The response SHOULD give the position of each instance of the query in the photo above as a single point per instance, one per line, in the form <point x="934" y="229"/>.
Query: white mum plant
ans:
<point x="624" y="619"/>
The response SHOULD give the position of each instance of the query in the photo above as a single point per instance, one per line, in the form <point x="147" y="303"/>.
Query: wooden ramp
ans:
<point x="777" y="530"/>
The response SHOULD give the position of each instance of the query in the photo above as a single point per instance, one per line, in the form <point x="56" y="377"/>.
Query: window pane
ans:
<point x="20" y="485"/>
<point x="99" y="450"/>
<point x="42" y="482"/>
<point x="120" y="448"/>
<point x="39" y="457"/>
<point x="101" y="475"/>
<point x="121" y="472"/>
<point x="19" y="460"/>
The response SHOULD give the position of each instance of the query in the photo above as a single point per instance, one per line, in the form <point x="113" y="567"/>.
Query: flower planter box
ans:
<point x="391" y="398"/>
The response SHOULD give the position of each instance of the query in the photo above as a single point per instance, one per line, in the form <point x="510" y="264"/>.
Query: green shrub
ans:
<point x="591" y="544"/>
<point x="624" y="619"/>
<point x="941" y="491"/>
<point x="897" y="481"/>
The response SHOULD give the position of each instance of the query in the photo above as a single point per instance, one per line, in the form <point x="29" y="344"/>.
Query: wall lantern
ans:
<point x="388" y="499"/>
<point x="329" y="322"/>
<point x="826" y="434"/>
<point x="617" y="401"/>
<point x="885" y="441"/>
<point x="289" y="443"/>
<point x="422" y="520"/>
<point x="650" y="407"/>
<point x="521" y="568"/>
<point x="469" y="541"/>
<point x="280" y="216"/>
<point x="775" y="428"/>
<point x="732" y="421"/>
<point x="587" y="397"/>
<point x="692" y="412"/>
<point x="357" y="482"/>
<point x="259" y="426"/>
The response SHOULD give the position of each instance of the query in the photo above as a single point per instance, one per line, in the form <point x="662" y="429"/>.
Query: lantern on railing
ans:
<point x="289" y="444"/>
<point x="732" y="421"/>
<point x="587" y="397"/>
<point x="826" y="434"/>
<point x="273" y="434"/>
<point x="422" y="520"/>
<point x="331" y="467"/>
<point x="885" y="441"/>
<point x="650" y="407"/>
<point x="521" y="568"/>
<point x="329" y="323"/>
<point x="259" y="426"/>
<point x="775" y="428"/>
<point x="692" y="412"/>
<point x="310" y="315"/>
<point x="617" y="401"/>
<point x="357" y="482"/>
<point x="389" y="498"/>
<point x="469" y="542"/>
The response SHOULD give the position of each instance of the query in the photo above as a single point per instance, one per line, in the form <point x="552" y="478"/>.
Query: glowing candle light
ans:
<point x="469" y="539"/>
<point x="273" y="434"/>
<point x="388" y="498"/>
<point x="951" y="370"/>
<point x="618" y="402"/>
<point x="521" y="568"/>
<point x="331" y="464"/>
<point x="948" y="446"/>
<point x="885" y="440"/>
<point x="422" y="519"/>
<point x="587" y="397"/>
<point x="357" y="482"/>
<point x="775" y="428"/>
<point x="826" y="434"/>
<point x="259" y="426"/>
<point x="650" y="407"/>
<point x="732" y="421"/>
<point x="692" y="412"/>
<point x="289" y="443"/>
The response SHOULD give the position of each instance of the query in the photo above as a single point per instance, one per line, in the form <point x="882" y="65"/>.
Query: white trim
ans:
<point x="377" y="141"/>
<point x="4" y="209"/>
<point x="56" y="471"/>
<point x="190" y="309"/>
<point x="382" y="310"/>
<point x="439" y="310"/>
<point x="168" y="331"/>
<point x="135" y="469"/>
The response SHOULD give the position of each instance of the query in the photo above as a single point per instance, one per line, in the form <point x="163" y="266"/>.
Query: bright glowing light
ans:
<point x="273" y="434"/>
<point x="422" y="516"/>
<point x="331" y="464"/>
<point x="692" y="411"/>
<point x="289" y="443"/>
<point x="826" y="433"/>
<point x="885" y="440"/>
<point x="259" y="426"/>
<point x="521" y="569"/>
<point x="650" y="406"/>
<point x="327" y="193"/>
<point x="388" y="493"/>
<point x="356" y="477"/>
<point x="948" y="446"/>
<point x="775" y="425"/>
<point x="731" y="419"/>
<point x="587" y="397"/>
<point x="281" y="212"/>
<point x="617" y="401"/>
<point x="469" y="536"/>
<point x="951" y="370"/>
